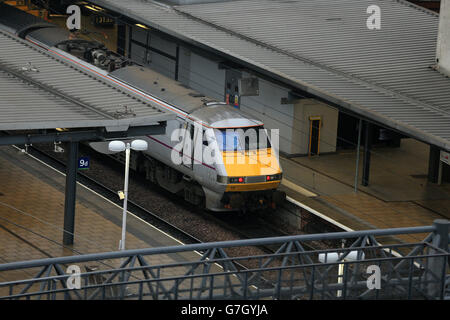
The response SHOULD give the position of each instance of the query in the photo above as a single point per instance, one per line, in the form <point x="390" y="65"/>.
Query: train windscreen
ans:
<point x="242" y="139"/>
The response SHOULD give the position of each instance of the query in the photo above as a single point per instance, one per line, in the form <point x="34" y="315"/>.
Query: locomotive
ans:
<point x="212" y="154"/>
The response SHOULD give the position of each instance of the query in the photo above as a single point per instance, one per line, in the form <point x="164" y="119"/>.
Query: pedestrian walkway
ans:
<point x="398" y="194"/>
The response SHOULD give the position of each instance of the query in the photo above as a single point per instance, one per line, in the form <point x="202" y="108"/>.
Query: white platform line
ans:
<point x="334" y="222"/>
<point x="295" y="187"/>
<point x="293" y="201"/>
<point x="101" y="196"/>
<point x="317" y="213"/>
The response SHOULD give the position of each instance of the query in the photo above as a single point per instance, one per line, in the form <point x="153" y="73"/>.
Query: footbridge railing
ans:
<point x="372" y="264"/>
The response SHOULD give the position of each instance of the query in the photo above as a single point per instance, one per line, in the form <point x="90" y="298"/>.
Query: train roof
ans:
<point x="219" y="115"/>
<point x="198" y="106"/>
<point x="50" y="36"/>
<point x="160" y="86"/>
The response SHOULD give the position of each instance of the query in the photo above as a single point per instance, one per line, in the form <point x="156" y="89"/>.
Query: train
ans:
<point x="213" y="154"/>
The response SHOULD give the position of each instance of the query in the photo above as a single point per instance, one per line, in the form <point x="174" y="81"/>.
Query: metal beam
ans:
<point x="70" y="194"/>
<point x="433" y="164"/>
<point x="87" y="135"/>
<point x="212" y="284"/>
<point x="221" y="244"/>
<point x="367" y="147"/>
<point x="357" y="154"/>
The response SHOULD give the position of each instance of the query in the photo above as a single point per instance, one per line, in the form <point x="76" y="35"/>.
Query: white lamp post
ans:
<point x="333" y="257"/>
<point x="119" y="146"/>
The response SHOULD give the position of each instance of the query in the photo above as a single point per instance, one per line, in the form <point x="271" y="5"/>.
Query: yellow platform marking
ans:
<point x="297" y="188"/>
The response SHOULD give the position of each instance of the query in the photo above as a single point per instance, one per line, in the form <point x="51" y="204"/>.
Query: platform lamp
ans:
<point x="334" y="257"/>
<point x="119" y="146"/>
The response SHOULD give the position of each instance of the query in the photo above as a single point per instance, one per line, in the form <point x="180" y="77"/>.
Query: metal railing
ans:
<point x="365" y="269"/>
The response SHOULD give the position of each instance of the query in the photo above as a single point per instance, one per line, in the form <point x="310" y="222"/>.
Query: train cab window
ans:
<point x="227" y="140"/>
<point x="240" y="139"/>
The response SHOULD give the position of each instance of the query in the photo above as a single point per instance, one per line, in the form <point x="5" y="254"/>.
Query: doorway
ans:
<point x="315" y="123"/>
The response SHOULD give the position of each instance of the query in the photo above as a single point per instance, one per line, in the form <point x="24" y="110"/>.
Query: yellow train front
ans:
<point x="251" y="180"/>
<point x="245" y="161"/>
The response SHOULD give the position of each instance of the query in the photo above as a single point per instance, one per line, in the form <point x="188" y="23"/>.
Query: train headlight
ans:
<point x="273" y="177"/>
<point x="236" y="180"/>
<point x="226" y="180"/>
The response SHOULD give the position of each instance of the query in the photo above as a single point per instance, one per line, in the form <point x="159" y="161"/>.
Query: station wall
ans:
<point x="152" y="50"/>
<point x="267" y="107"/>
<point x="206" y="77"/>
<point x="304" y="111"/>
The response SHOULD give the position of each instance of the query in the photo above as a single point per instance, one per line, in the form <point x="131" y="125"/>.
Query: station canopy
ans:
<point x="324" y="48"/>
<point x="39" y="90"/>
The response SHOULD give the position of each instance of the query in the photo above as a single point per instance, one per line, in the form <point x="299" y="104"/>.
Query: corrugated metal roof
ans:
<point x="325" y="48"/>
<point x="39" y="90"/>
<point x="19" y="103"/>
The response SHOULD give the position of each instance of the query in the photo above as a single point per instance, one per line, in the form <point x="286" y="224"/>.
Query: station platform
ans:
<point x="32" y="203"/>
<point x="32" y="215"/>
<point x="398" y="194"/>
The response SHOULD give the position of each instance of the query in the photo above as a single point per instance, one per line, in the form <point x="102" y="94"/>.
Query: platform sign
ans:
<point x="103" y="21"/>
<point x="83" y="163"/>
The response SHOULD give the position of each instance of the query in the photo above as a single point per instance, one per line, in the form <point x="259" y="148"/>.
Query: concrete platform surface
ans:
<point x="398" y="194"/>
<point x="32" y="214"/>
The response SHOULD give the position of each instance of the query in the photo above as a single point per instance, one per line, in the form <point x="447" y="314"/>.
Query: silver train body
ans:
<point x="237" y="175"/>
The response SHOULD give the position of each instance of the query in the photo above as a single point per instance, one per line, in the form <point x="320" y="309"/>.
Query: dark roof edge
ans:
<point x="417" y="7"/>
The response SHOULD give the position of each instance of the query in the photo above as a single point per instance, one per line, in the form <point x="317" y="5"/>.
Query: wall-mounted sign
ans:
<point x="236" y="101"/>
<point x="103" y="21"/>
<point x="83" y="163"/>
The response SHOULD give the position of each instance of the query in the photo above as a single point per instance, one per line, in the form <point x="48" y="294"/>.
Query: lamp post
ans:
<point x="119" y="146"/>
<point x="333" y="257"/>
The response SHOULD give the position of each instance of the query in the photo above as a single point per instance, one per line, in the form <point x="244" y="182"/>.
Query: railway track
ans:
<point x="111" y="195"/>
<point x="242" y="227"/>
<point x="236" y="226"/>
<point x="227" y="226"/>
